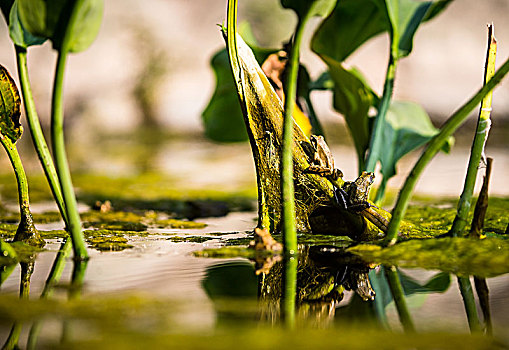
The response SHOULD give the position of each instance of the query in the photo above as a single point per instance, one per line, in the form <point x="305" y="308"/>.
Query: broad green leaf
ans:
<point x="405" y="17"/>
<point x="222" y="117"/>
<point x="352" y="98"/>
<point x="19" y="35"/>
<point x="49" y="19"/>
<point x="353" y="22"/>
<point x="408" y="127"/>
<point x="10" y="107"/>
<point x="350" y="25"/>
<point x="304" y="8"/>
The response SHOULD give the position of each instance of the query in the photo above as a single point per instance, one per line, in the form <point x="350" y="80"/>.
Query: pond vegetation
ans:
<point x="320" y="264"/>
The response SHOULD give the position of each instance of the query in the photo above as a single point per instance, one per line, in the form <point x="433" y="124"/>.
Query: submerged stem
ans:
<point x="399" y="299"/>
<point x="469" y="303"/>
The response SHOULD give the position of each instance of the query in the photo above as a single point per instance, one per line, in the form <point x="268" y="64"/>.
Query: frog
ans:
<point x="353" y="196"/>
<point x="322" y="159"/>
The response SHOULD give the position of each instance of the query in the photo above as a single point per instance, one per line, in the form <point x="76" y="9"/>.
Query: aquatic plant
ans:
<point x="10" y="132"/>
<point x="71" y="26"/>
<point x="437" y="142"/>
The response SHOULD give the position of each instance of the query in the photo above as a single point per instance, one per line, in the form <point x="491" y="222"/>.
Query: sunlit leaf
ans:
<point x="10" y="107"/>
<point x="49" y="19"/>
<point x="320" y="8"/>
<point x="408" y="127"/>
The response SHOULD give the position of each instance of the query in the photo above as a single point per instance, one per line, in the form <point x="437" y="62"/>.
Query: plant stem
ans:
<point x="58" y="142"/>
<point x="375" y="143"/>
<point x="481" y="135"/>
<point x="469" y="302"/>
<point x="26" y="231"/>
<point x="287" y="184"/>
<point x="433" y="147"/>
<point x="399" y="299"/>
<point x="36" y="131"/>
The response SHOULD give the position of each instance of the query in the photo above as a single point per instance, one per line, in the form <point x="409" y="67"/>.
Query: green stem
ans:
<point x="469" y="302"/>
<point x="21" y="178"/>
<point x="481" y="135"/>
<point x="287" y="184"/>
<point x="375" y="144"/>
<point x="58" y="142"/>
<point x="399" y="299"/>
<point x="36" y="131"/>
<point x="433" y="147"/>
<point x="26" y="231"/>
<point x="289" y="297"/>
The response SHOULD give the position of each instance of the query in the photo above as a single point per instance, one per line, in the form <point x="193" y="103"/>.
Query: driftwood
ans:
<point x="314" y="194"/>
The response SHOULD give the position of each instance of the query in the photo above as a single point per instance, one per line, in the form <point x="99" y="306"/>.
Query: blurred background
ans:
<point x="150" y="67"/>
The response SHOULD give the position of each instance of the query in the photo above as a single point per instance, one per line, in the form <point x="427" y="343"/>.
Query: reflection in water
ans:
<point x="27" y="269"/>
<point x="323" y="274"/>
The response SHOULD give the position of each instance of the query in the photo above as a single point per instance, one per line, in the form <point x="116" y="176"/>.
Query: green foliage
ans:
<point x="407" y="127"/>
<point x="353" y="22"/>
<point x="49" y="19"/>
<point x="222" y="117"/>
<point x="10" y="108"/>
<point x="353" y="98"/>
<point x="304" y="8"/>
<point x="19" y="35"/>
<point x="405" y="16"/>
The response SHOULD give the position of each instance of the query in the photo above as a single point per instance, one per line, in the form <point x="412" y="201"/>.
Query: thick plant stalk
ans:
<point x="36" y="131"/>
<point x="58" y="143"/>
<point x="399" y="299"/>
<point x="287" y="184"/>
<point x="434" y="147"/>
<point x="481" y="135"/>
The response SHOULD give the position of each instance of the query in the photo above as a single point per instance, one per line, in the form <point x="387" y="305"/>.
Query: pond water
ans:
<point x="156" y="292"/>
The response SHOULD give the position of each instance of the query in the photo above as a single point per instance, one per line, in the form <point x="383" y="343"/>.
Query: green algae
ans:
<point x="117" y="226"/>
<point x="228" y="252"/>
<point x="182" y="224"/>
<point x="110" y="240"/>
<point x="462" y="256"/>
<point x="189" y="239"/>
